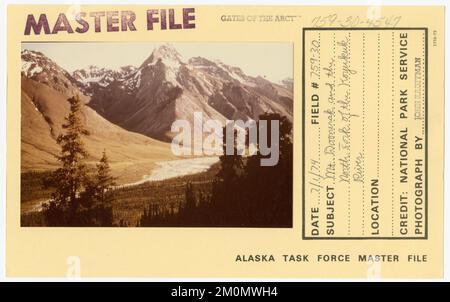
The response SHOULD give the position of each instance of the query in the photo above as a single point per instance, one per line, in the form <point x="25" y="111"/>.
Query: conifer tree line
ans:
<point x="244" y="193"/>
<point x="79" y="198"/>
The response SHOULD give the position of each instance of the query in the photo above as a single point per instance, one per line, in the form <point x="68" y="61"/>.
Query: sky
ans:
<point x="271" y="60"/>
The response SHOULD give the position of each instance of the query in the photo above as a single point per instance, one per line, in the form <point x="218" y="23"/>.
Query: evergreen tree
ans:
<point x="78" y="200"/>
<point x="226" y="190"/>
<point x="104" y="180"/>
<point x="71" y="176"/>
<point x="189" y="197"/>
<point x="269" y="189"/>
<point x="231" y="164"/>
<point x="243" y="193"/>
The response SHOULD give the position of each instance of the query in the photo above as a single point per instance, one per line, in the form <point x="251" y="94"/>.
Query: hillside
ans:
<point x="44" y="107"/>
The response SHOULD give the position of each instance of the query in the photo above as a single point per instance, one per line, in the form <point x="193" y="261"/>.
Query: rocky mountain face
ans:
<point x="44" y="106"/>
<point x="166" y="87"/>
<point x="288" y="83"/>
<point x="93" y="78"/>
<point x="36" y="66"/>
<point x="129" y="112"/>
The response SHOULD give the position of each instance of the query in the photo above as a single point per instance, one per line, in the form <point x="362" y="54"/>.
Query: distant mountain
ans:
<point x="92" y="78"/>
<point x="129" y="111"/>
<point x="38" y="67"/>
<point x="45" y="90"/>
<point x="288" y="83"/>
<point x="166" y="87"/>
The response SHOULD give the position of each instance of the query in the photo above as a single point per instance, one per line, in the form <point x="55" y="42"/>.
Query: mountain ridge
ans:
<point x="129" y="111"/>
<point x="165" y="87"/>
<point x="44" y="106"/>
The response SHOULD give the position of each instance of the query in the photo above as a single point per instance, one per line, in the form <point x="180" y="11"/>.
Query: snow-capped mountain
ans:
<point x="167" y="87"/>
<point x="37" y="66"/>
<point x="164" y="88"/>
<point x="288" y="83"/>
<point x="45" y="89"/>
<point x="91" y="78"/>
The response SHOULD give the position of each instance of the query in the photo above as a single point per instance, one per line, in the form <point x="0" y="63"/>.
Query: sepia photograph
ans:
<point x="156" y="134"/>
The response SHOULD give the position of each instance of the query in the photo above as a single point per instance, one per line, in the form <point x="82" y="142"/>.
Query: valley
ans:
<point x="128" y="114"/>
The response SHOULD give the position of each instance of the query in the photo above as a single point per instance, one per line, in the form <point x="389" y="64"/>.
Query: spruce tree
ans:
<point x="70" y="177"/>
<point x="189" y="197"/>
<point x="104" y="179"/>
<point x="226" y="189"/>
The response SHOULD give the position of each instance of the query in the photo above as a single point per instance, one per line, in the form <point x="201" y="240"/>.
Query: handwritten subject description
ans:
<point x="364" y="133"/>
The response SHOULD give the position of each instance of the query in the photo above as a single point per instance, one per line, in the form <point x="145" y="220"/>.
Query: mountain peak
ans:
<point x="93" y="67"/>
<point x="93" y="77"/>
<point x="167" y="51"/>
<point x="127" y="69"/>
<point x="167" y="54"/>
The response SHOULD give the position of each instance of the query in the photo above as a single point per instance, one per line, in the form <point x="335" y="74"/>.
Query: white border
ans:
<point x="3" y="72"/>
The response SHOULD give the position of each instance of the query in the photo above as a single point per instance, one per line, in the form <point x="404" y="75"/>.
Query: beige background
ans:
<point x="203" y="252"/>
